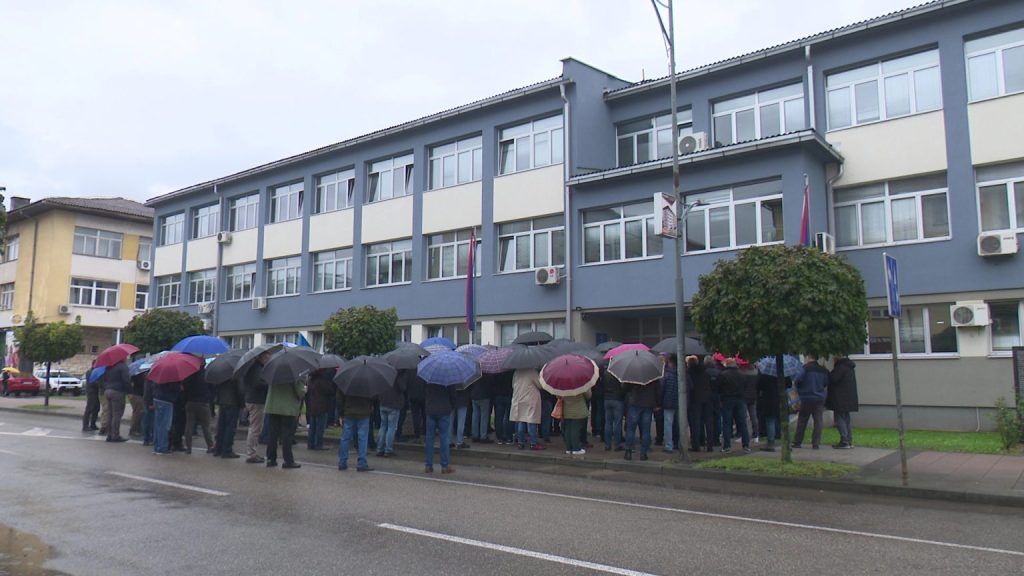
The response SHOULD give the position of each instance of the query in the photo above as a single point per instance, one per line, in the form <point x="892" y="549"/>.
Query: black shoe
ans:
<point x="795" y="445"/>
<point x="230" y="455"/>
<point x="380" y="454"/>
<point x="254" y="460"/>
<point x="643" y="455"/>
<point x="271" y="463"/>
<point x="364" y="469"/>
<point x="291" y="465"/>
<point x="342" y="467"/>
<point x="628" y="455"/>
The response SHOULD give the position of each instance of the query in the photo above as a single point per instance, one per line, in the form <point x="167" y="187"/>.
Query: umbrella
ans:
<point x="249" y="358"/>
<point x="365" y="377"/>
<point x="449" y="369"/>
<point x="406" y="357"/>
<point x="563" y="346"/>
<point x="97" y="373"/>
<point x="790" y="365"/>
<point x="668" y="346"/>
<point x="431" y="348"/>
<point x="529" y="338"/>
<point x="329" y="362"/>
<point x="11" y="370"/>
<point x="569" y="375"/>
<point x="474" y="350"/>
<point x="636" y="367"/>
<point x="222" y="368"/>
<point x="624" y="348"/>
<point x="114" y="354"/>
<point x="400" y="345"/>
<point x="493" y="361"/>
<point x="144" y="364"/>
<point x="438" y="341"/>
<point x="606" y="346"/>
<point x="289" y="365"/>
<point x="174" y="367"/>
<point x="201" y="345"/>
<point x="529" y="357"/>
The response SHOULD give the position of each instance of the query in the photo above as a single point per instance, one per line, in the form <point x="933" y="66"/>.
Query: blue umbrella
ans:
<point x="201" y="345"/>
<point x="474" y="350"/>
<point x="144" y="364"/>
<point x="438" y="341"/>
<point x="449" y="369"/>
<point x="97" y="373"/>
<point x="790" y="365"/>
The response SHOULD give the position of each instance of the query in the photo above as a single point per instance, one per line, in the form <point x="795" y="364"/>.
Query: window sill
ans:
<point x="623" y="261"/>
<point x="891" y="244"/>
<point x="158" y="245"/>
<point x="200" y="303"/>
<point x="882" y="120"/>
<point x="449" y="279"/>
<point x="276" y="296"/>
<point x="453" y="185"/>
<point x="1000" y="354"/>
<point x="730" y="249"/>
<point x="916" y="356"/>
<point x="284" y="221"/>
<point x="117" y="259"/>
<point x="386" y="285"/>
<point x="325" y="212"/>
<point x="388" y="199"/>
<point x="996" y="97"/>
<point x="214" y="235"/>
<point x="93" y="307"/>
<point x="496" y="176"/>
<point x="236" y="230"/>
<point x="349" y="289"/>
<point x="562" y="267"/>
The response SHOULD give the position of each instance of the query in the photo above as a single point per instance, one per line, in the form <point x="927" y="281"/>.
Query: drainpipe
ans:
<point x="32" y="271"/>
<point x="810" y="87"/>
<point x="567" y="204"/>
<point x="220" y="263"/>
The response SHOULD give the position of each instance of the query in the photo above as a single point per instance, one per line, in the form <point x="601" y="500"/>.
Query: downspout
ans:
<point x="220" y="263"/>
<point x="810" y="88"/>
<point x="32" y="271"/>
<point x="567" y="205"/>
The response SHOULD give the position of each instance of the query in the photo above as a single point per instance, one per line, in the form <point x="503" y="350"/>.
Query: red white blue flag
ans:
<point x="470" y="284"/>
<point x="805" y="225"/>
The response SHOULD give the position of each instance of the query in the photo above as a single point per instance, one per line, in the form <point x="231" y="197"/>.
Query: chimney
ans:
<point x="19" y="202"/>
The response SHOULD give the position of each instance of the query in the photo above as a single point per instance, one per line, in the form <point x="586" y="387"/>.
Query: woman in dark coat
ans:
<point x="768" y="404"/>
<point x="842" y="399"/>
<point x="318" y="396"/>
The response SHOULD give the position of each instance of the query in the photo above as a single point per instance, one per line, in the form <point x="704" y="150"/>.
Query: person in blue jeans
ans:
<point x="355" y="419"/>
<point x="459" y="419"/>
<point x="164" y="398"/>
<point x="642" y="401"/>
<point x="614" y="410"/>
<point x="319" y="396"/>
<point x="480" y="394"/>
<point x="731" y="386"/>
<point x="391" y="404"/>
<point x="438" y="404"/>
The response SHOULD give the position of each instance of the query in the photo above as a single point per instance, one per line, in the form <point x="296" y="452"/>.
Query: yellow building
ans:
<point x="75" y="258"/>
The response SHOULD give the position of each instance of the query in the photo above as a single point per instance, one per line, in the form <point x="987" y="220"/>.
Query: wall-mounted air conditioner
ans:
<point x="145" y="265"/>
<point x="259" y="303"/>
<point x="206" y="308"/>
<point x="971" y="313"/>
<point x="224" y="237"/>
<point x="997" y="243"/>
<point x="691" y="143"/>
<point x="546" y="276"/>
<point x="825" y="242"/>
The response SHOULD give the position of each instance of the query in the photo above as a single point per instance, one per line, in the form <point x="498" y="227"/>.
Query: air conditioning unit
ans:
<point x="206" y="308"/>
<point x="64" y="309"/>
<point x="259" y="303"/>
<point x="969" y="313"/>
<point x="546" y="276"/>
<point x="145" y="265"/>
<point x="997" y="244"/>
<point x="693" y="143"/>
<point x="224" y="237"/>
<point x="825" y="242"/>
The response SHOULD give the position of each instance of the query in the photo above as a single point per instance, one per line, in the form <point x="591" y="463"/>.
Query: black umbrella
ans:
<point x="365" y="377"/>
<point x="289" y="365"/>
<point x="222" y="368"/>
<point x="249" y="358"/>
<point x="529" y="357"/>
<point x="563" y="346"/>
<point x="668" y="346"/>
<point x="406" y="357"/>
<point x="636" y="367"/>
<point x="606" y="346"/>
<point x="419" y="349"/>
<point x="529" y="338"/>
<point x="329" y="361"/>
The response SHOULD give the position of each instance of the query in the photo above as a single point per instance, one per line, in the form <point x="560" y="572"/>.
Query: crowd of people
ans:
<point x="726" y="398"/>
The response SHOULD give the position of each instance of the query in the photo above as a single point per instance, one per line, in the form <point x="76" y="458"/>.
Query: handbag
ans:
<point x="556" y="412"/>
<point x="793" y="400"/>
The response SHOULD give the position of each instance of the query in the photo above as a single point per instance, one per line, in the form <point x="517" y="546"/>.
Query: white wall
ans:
<point x="996" y="128"/>
<point x="282" y="239"/>
<point x="891" y="149"/>
<point x="243" y="247"/>
<point x="114" y="225"/>
<point x="201" y="254"/>
<point x="8" y="270"/>
<point x="529" y="194"/>
<point x="387" y="220"/>
<point x="331" y="230"/>
<point x="167" y="260"/>
<point x="103" y="317"/>
<point x="453" y="208"/>
<point x="105" y="269"/>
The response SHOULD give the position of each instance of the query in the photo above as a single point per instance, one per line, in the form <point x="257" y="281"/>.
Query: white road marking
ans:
<point x="517" y="551"/>
<point x="171" y="484"/>
<point x="37" y="432"/>
<point x="8" y="452"/>
<point x="715" y="515"/>
<point x="27" y="435"/>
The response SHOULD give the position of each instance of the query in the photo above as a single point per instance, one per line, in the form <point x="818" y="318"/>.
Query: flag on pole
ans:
<point x="805" y="228"/>
<point x="470" y="281"/>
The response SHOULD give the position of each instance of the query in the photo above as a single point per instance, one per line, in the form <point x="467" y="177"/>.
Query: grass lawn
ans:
<point x="42" y="407"/>
<point x="774" y="467"/>
<point x="971" y="442"/>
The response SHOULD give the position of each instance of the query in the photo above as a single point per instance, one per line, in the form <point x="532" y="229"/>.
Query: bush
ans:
<point x="1008" y="422"/>
<point x="364" y="331"/>
<point x="158" y="329"/>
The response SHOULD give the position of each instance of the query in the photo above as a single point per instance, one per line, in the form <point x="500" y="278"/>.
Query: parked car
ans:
<point x="61" y="381"/>
<point x="22" y="383"/>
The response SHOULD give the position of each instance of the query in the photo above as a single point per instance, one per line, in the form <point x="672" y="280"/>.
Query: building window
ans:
<point x="448" y="255"/>
<point x="650" y="138"/>
<point x="335" y="191"/>
<point x="455" y="332"/>
<point x="405" y="333"/>
<point x="168" y="290"/>
<point x="286" y="203"/>
<point x="7" y="296"/>
<point x="389" y="263"/>
<point x="531" y="145"/>
<point x="652" y="329"/>
<point x="145" y="249"/>
<point x="892" y="212"/>
<point x="884" y="90"/>
<point x="1001" y="197"/>
<point x="172" y="229"/>
<point x="205" y="221"/>
<point x="620" y="233"/>
<point x="1006" y="333"/>
<point x="93" y="242"/>
<point x="281" y="338"/>
<point x="511" y="330"/>
<point x="332" y="270"/>
<point x="93" y="293"/>
<point x="240" y="280"/>
<point x="244" y="212"/>
<point x="240" y="341"/>
<point x="995" y="64"/>
<point x="747" y="215"/>
<point x="529" y="244"/>
<point x="202" y="286"/>
<point x="283" y="276"/>
<point x="141" y="296"/>
<point x="759" y="115"/>
<point x="391" y="178"/>
<point x="317" y="341"/>
<point x="456" y="163"/>
<point x="11" y="248"/>
<point x="923" y="330"/>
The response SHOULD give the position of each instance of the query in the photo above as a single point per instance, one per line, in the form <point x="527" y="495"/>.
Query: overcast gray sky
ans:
<point x="135" y="98"/>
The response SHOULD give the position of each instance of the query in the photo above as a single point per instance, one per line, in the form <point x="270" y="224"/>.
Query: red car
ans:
<point x="21" y="383"/>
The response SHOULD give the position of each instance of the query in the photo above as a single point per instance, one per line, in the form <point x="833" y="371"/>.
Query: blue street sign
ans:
<point x="892" y="285"/>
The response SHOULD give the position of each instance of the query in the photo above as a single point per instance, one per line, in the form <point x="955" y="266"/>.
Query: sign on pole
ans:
<point x="892" y="289"/>
<point x="665" y="209"/>
<point x="892" y="279"/>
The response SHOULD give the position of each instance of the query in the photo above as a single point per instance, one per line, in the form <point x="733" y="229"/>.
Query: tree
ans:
<point x="159" y="329"/>
<point x="49" y="343"/>
<point x="781" y="300"/>
<point x="352" y="332"/>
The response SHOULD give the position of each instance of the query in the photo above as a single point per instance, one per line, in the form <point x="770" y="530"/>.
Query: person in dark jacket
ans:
<point x="355" y="421"/>
<point x="459" y="413"/>
<point x="198" y="396"/>
<point x="4" y="379"/>
<point x="501" y="388"/>
<point x="731" y="388"/>
<point x="230" y="400"/>
<point x="698" y="381"/>
<point x="749" y="373"/>
<point x="165" y="399"/>
<point x="318" y="398"/>
<point x="713" y="367"/>
<point x="480" y="394"/>
<point x="92" y="403"/>
<point x="811" y="384"/>
<point x="768" y="403"/>
<point x="390" y="406"/>
<point x="255" y="401"/>
<point x="138" y="383"/>
<point x="642" y="401"/>
<point x="414" y="394"/>
<point x="438" y="402"/>
<point x="614" y="409"/>
<point x="118" y="385"/>
<point x="670" y="403"/>
<point x="149" y="416"/>
<point x="842" y="399"/>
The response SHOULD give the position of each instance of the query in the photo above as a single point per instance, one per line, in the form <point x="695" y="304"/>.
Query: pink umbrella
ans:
<point x="569" y="375"/>
<point x="624" y="348"/>
<point x="174" y="367"/>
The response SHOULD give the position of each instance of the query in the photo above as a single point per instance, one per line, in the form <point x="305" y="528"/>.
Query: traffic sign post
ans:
<point x="892" y="290"/>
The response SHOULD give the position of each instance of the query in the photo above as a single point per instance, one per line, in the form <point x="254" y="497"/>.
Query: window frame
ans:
<point x="95" y="288"/>
<point x="454" y="332"/>
<point x="998" y="51"/>
<point x="886" y="199"/>
<point x="333" y="263"/>
<point x="732" y="204"/>
<point x="7" y="296"/>
<point x="407" y="261"/>
<point x="205" y="221"/>
<point x="286" y="202"/>
<point x="406" y="163"/>
<point x="249" y="206"/>
<point x="168" y="291"/>
<point x="648" y="221"/>
<point x="532" y="325"/>
<point x="1010" y="194"/>
<point x="142" y="290"/>
<point x="439" y="154"/>
<point x="438" y="248"/>
<point x="146" y="254"/>
<point x="510" y="136"/>
<point x="291" y="269"/>
<point x="756" y="107"/>
<point x="172" y="229"/>
<point x="532" y="233"/>
<point x="325" y="196"/>
<point x="202" y="282"/>
<point x="653" y="131"/>
<point x="234" y="281"/>
<point x="98" y="237"/>
<point x="897" y="342"/>
<point x="12" y="248"/>
<point x="246" y="341"/>
<point x="1020" y="327"/>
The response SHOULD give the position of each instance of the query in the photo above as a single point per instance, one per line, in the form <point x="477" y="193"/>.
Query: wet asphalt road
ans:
<point x="227" y="517"/>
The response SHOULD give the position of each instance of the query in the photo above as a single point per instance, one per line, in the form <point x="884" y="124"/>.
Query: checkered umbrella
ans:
<point x="492" y="361"/>
<point x="449" y="369"/>
<point x="438" y="341"/>
<point x="474" y="350"/>
<point x="790" y="366"/>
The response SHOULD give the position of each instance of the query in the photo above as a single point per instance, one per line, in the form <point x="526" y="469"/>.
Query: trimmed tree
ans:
<point x="49" y="343"/>
<point x="352" y="332"/>
<point x="778" y="300"/>
<point x="158" y="329"/>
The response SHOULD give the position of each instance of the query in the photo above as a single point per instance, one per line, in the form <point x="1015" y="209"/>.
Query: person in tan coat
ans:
<point x="526" y="404"/>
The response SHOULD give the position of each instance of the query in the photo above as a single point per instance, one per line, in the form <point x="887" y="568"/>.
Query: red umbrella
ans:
<point x="569" y="375"/>
<point x="624" y="348"/>
<point x="174" y="367"/>
<point x="114" y="354"/>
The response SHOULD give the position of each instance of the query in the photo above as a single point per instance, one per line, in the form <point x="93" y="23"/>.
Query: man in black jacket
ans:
<point x="255" y="398"/>
<point x="117" y="385"/>
<point x="842" y="399"/>
<point x="198" y="396"/>
<point x="731" y="388"/>
<point x="230" y="399"/>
